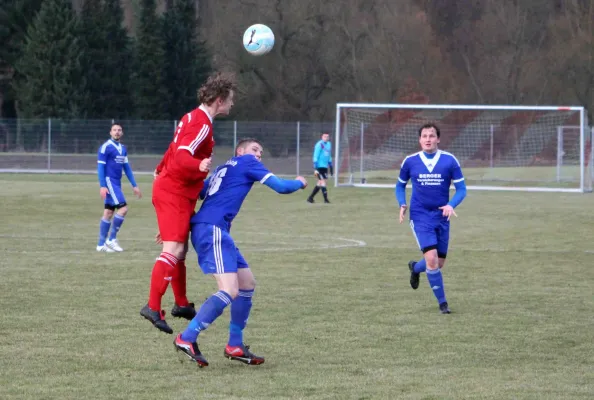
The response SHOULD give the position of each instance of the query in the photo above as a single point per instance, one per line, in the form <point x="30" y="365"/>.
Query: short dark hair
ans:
<point x="245" y="142"/>
<point x="116" y="124"/>
<point x="428" y="126"/>
<point x="218" y="85"/>
<point x="324" y="133"/>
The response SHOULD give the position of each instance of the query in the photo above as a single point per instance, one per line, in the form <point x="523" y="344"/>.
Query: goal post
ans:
<point x="500" y="147"/>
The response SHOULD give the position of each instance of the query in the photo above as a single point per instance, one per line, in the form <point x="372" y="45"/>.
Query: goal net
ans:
<point x="498" y="147"/>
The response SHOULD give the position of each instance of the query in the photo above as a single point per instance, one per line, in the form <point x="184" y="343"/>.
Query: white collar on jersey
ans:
<point x="205" y="112"/>
<point x="430" y="162"/>
<point x="117" y="145"/>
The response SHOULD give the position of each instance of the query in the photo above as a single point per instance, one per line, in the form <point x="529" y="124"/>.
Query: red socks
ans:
<point x="163" y="272"/>
<point x="178" y="284"/>
<point x="167" y="269"/>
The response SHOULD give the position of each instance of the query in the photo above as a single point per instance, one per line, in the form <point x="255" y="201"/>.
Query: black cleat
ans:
<point x="444" y="309"/>
<point x="243" y="354"/>
<point x="156" y="318"/>
<point x="191" y="350"/>
<point x="188" y="312"/>
<point x="310" y="200"/>
<point x="327" y="201"/>
<point x="414" y="277"/>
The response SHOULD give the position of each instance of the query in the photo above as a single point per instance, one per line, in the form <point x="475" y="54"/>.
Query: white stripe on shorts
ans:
<point x="412" y="226"/>
<point x="217" y="248"/>
<point x="111" y="191"/>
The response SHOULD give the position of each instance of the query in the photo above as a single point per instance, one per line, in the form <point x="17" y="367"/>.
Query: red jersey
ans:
<point x="179" y="171"/>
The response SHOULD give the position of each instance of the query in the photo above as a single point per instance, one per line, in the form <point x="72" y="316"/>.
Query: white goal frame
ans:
<point x="586" y="177"/>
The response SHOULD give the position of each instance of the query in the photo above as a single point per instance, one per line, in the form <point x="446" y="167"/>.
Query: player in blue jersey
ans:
<point x="112" y="159"/>
<point x="322" y="163"/>
<point x="223" y="193"/>
<point x="431" y="171"/>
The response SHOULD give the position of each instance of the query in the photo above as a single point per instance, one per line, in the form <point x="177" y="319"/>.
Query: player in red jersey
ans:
<point x="179" y="178"/>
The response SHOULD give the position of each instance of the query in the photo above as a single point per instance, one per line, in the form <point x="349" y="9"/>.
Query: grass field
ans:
<point x="333" y="314"/>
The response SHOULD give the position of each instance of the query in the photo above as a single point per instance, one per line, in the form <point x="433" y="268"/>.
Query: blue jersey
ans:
<point x="114" y="155"/>
<point x="322" y="156"/>
<point x="431" y="179"/>
<point x="227" y="188"/>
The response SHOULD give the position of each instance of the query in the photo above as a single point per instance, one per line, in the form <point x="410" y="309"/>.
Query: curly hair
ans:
<point x="218" y="85"/>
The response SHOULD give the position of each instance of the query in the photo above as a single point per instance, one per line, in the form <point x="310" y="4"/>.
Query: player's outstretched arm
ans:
<point x="285" y="186"/>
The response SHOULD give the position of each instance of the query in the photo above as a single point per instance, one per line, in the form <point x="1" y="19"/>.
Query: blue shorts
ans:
<point x="115" y="198"/>
<point x="432" y="235"/>
<point x="217" y="253"/>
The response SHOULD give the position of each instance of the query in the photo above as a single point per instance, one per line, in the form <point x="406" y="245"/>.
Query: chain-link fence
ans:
<point x="70" y="146"/>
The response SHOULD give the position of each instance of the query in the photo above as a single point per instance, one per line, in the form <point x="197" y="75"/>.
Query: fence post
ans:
<point x="559" y="152"/>
<point x="491" y="163"/>
<point x="361" y="177"/>
<point x="298" y="145"/>
<point x="49" y="144"/>
<point x="592" y="152"/>
<point x="234" y="136"/>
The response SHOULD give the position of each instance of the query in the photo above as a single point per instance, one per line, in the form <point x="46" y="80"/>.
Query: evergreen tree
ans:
<point x="92" y="18"/>
<point x="15" y="17"/>
<point x="149" y="90"/>
<point x="108" y="61"/>
<point x="187" y="61"/>
<point x="51" y="82"/>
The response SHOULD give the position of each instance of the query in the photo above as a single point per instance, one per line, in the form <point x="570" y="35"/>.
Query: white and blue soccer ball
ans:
<point x="258" y="39"/>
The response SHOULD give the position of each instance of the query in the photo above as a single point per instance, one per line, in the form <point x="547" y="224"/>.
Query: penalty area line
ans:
<point x="349" y="243"/>
<point x="340" y="243"/>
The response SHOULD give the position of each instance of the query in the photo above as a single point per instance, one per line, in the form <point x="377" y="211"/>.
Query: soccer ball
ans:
<point x="258" y="39"/>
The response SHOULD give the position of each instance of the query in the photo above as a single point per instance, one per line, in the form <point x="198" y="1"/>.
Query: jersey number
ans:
<point x="215" y="181"/>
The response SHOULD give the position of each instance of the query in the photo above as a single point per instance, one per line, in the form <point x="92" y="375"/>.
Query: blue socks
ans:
<point x="210" y="310"/>
<point x="420" y="266"/>
<point x="240" y="312"/>
<point x="104" y="226"/>
<point x="103" y="231"/>
<point x="436" y="282"/>
<point x="213" y="307"/>
<point x="118" y="220"/>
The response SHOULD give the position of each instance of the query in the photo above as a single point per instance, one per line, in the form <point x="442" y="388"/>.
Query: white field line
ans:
<point x="333" y="243"/>
<point x="339" y="243"/>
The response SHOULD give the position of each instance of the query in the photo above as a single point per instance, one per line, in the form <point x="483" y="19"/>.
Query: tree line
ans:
<point x="89" y="64"/>
<point x="60" y="62"/>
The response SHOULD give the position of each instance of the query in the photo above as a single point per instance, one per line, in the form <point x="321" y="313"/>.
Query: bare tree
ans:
<point x="383" y="45"/>
<point x="503" y="55"/>
<point x="488" y="51"/>
<point x="572" y="52"/>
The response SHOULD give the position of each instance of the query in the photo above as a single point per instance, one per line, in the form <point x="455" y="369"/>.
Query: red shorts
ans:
<point x="173" y="215"/>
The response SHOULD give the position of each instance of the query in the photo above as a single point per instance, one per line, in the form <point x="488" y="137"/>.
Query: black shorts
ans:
<point x="322" y="173"/>
<point x="116" y="207"/>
